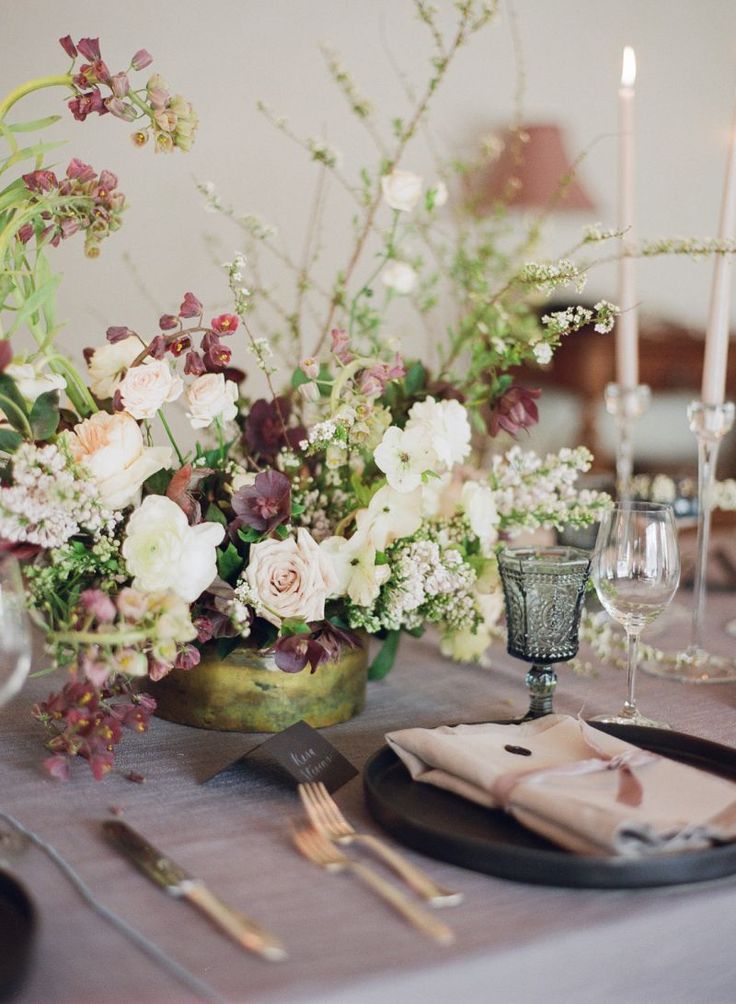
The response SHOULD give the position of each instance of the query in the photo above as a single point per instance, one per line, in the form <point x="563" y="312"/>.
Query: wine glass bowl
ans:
<point x="636" y="572"/>
<point x="544" y="591"/>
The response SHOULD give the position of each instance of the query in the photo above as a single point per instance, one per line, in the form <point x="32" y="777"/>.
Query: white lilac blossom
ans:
<point x="542" y="353"/>
<point x="531" y="492"/>
<point x="50" y="500"/>
<point x="548" y="276"/>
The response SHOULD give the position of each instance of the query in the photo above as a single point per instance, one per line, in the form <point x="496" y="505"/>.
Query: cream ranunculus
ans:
<point x="290" y="578"/>
<point x="148" y="387"/>
<point x="211" y="396"/>
<point x="32" y="381"/>
<point x="164" y="553"/>
<point x="111" y="448"/>
<point x="108" y="365"/>
<point x="402" y="190"/>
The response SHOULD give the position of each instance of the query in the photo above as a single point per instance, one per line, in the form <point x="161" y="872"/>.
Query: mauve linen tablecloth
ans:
<point x="515" y="943"/>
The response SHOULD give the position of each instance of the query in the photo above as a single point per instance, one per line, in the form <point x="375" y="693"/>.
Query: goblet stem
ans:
<point x="541" y="681"/>
<point x="630" y="709"/>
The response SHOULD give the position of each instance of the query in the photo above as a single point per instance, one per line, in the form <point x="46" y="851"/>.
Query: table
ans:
<point x="516" y="944"/>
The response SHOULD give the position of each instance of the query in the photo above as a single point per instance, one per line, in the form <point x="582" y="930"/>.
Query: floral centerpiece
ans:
<point x="347" y="498"/>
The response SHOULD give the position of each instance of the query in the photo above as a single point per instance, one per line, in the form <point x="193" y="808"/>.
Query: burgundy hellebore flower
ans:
<point x="291" y="654"/>
<point x="266" y="503"/>
<point x="515" y="410"/>
<point x="190" y="306"/>
<point x="264" y="427"/>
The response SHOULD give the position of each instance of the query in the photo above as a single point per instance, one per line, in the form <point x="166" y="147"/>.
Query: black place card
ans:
<point x="294" y="756"/>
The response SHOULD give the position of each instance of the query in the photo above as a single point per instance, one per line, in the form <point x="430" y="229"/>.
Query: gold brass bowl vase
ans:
<point x="246" y="692"/>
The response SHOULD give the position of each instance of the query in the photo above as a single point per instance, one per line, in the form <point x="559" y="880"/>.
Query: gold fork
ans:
<point x="327" y="819"/>
<point x="318" y="849"/>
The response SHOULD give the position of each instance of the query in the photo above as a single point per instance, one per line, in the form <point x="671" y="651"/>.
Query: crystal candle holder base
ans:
<point x="625" y="405"/>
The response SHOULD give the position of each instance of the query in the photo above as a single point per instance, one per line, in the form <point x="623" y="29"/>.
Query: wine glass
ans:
<point x="636" y="571"/>
<point x="15" y="631"/>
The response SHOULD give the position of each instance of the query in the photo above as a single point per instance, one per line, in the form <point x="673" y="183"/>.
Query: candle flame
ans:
<point x="628" y="70"/>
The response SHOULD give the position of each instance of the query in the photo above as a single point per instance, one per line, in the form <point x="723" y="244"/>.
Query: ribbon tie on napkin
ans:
<point x="581" y="788"/>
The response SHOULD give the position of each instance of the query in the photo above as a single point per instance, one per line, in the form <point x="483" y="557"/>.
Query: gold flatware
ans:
<point x="318" y="849"/>
<point x="327" y="819"/>
<point x="174" y="880"/>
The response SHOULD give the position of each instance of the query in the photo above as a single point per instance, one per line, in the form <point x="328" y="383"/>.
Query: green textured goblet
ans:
<point x="544" y="591"/>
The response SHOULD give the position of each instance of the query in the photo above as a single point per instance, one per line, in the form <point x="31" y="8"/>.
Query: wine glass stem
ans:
<point x="632" y="661"/>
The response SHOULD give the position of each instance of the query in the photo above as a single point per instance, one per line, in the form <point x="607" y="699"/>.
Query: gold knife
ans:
<point x="175" y="881"/>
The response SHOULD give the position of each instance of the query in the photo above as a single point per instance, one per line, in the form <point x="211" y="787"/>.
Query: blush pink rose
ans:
<point x="290" y="578"/>
<point x="148" y="387"/>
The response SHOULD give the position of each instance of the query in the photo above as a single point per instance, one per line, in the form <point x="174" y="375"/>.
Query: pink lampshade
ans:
<point x="528" y="174"/>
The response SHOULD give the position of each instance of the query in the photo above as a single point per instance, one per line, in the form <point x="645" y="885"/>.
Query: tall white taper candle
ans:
<point x="627" y="326"/>
<point x="716" y="337"/>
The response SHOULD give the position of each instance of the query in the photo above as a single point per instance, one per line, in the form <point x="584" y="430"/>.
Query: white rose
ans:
<point x="446" y="427"/>
<point x="111" y="448"/>
<point x="32" y="382"/>
<point x="290" y="578"/>
<point x="108" y="365"/>
<point x="148" y="387"/>
<point x="402" y="190"/>
<point x="164" y="553"/>
<point x="211" y="396"/>
<point x="479" y="506"/>
<point x="399" y="276"/>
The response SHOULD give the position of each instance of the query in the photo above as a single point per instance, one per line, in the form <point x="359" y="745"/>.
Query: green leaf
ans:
<point x="415" y="378"/>
<point x="324" y="378"/>
<point x="381" y="558"/>
<point x="226" y="645"/>
<point x="34" y="302"/>
<point x="45" y="415"/>
<point x="215" y="515"/>
<point x="293" y="626"/>
<point x="250" y="536"/>
<point x="297" y="508"/>
<point x="383" y="662"/>
<point x="14" y="405"/>
<point x="9" y="440"/>
<point x="299" y="377"/>
<point x="229" y="563"/>
<point x="33" y="126"/>
<point x="281" y="532"/>
<point x="157" y="483"/>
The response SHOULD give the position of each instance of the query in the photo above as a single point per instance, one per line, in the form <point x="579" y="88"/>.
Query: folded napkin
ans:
<point x="580" y="788"/>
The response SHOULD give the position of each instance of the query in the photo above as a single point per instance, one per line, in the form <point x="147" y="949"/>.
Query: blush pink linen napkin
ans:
<point x="580" y="788"/>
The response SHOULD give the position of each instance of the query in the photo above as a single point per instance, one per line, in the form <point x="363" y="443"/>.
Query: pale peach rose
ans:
<point x="111" y="448"/>
<point x="211" y="396"/>
<point x="148" y="387"/>
<point x="290" y="578"/>
<point x="108" y="365"/>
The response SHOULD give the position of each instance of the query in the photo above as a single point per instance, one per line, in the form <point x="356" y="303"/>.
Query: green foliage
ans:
<point x="384" y="660"/>
<point x="9" y="440"/>
<point x="157" y="483"/>
<point x="229" y="563"/>
<point x="44" y="416"/>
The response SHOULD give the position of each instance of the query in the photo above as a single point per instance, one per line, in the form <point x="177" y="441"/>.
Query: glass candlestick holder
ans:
<point x="544" y="591"/>
<point x="710" y="423"/>
<point x="625" y="405"/>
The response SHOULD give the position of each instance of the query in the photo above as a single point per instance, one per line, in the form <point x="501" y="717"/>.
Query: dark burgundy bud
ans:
<point x="167" y="322"/>
<point x="118" y="334"/>
<point x="68" y="46"/>
<point x="157" y="347"/>
<point x="194" y="364"/>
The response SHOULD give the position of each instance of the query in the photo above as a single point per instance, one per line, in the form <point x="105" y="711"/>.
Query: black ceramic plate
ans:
<point x="445" y="826"/>
<point x="17" y="930"/>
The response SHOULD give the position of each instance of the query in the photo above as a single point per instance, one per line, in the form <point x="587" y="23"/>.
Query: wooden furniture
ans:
<point x="670" y="359"/>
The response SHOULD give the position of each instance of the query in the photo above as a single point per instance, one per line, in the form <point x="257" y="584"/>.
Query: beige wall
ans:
<point x="224" y="54"/>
